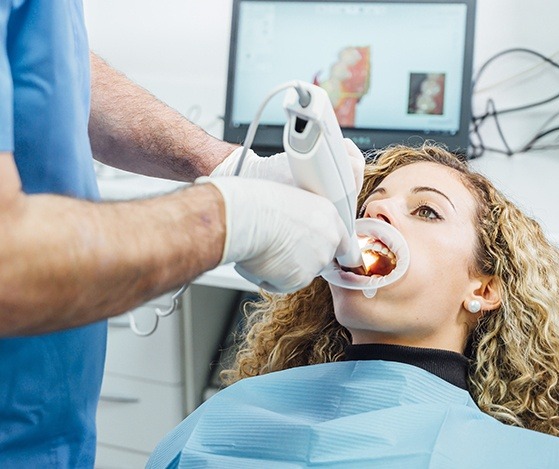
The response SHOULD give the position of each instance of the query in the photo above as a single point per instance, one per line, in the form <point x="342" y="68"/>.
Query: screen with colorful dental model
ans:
<point x="395" y="71"/>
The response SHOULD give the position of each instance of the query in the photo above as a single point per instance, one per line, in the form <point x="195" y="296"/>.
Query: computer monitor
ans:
<point x="396" y="71"/>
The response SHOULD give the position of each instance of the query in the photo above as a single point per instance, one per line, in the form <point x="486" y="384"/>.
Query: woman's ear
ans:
<point x="486" y="297"/>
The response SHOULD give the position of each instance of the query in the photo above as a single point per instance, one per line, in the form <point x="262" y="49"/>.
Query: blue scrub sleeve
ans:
<point x="6" y="84"/>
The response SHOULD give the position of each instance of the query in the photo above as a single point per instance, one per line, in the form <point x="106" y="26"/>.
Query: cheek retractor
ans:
<point x="386" y="257"/>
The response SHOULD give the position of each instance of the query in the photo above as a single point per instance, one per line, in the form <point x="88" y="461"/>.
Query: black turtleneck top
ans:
<point x="447" y="365"/>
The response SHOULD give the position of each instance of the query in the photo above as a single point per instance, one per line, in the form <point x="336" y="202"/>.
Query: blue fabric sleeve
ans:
<point x="6" y="84"/>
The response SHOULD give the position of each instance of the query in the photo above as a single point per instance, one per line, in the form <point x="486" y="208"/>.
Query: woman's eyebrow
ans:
<point x="416" y="190"/>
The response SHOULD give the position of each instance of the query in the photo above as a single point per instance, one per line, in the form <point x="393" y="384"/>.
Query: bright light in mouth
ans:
<point x="378" y="259"/>
<point x="385" y="253"/>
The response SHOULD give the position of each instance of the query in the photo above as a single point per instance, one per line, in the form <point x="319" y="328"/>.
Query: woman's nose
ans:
<point x="379" y="211"/>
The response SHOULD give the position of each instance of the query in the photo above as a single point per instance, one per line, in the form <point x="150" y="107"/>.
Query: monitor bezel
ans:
<point x="268" y="138"/>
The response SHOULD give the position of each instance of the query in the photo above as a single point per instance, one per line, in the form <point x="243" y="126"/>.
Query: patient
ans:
<point x="454" y="365"/>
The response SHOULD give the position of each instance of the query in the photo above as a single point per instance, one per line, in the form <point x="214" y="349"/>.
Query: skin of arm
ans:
<point x="132" y="130"/>
<point x="66" y="262"/>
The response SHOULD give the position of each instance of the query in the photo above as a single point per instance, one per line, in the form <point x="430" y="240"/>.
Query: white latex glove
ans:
<point x="276" y="167"/>
<point x="280" y="236"/>
<point x="273" y="168"/>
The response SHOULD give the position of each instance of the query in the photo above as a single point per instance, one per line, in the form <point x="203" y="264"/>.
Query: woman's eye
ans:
<point x="424" y="211"/>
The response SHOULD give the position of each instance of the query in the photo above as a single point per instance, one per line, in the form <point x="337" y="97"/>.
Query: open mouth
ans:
<point x="385" y="255"/>
<point x="378" y="259"/>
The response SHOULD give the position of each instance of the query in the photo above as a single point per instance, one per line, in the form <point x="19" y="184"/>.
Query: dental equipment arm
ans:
<point x="318" y="157"/>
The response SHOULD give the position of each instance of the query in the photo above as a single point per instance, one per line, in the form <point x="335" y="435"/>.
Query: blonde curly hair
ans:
<point x="513" y="350"/>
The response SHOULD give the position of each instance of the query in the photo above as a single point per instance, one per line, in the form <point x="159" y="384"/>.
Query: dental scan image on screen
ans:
<point x="384" y="65"/>
<point x="347" y="82"/>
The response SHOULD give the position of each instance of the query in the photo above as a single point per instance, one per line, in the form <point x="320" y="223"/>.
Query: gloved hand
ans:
<point x="273" y="168"/>
<point x="276" y="167"/>
<point x="280" y="236"/>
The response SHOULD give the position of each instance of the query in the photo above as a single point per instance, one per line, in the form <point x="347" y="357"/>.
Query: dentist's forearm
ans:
<point x="132" y="130"/>
<point x="65" y="263"/>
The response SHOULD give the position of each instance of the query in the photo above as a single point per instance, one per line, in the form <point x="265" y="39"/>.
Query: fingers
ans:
<point x="281" y="237"/>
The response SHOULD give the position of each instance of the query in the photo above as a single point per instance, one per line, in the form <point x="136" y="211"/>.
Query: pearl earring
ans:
<point x="474" y="306"/>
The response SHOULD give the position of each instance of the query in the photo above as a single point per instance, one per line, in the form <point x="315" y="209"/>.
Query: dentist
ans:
<point x="67" y="261"/>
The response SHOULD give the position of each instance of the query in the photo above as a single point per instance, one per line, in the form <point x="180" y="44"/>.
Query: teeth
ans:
<point x="374" y="245"/>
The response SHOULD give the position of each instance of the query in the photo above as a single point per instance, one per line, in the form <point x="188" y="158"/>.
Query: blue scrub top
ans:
<point x="49" y="384"/>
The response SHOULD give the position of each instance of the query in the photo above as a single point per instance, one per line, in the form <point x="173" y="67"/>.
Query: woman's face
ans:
<point x="434" y="211"/>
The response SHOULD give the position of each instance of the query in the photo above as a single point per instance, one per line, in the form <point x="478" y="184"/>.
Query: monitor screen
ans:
<point x="395" y="71"/>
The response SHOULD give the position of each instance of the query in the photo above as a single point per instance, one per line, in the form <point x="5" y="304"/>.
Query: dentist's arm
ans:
<point x="131" y="129"/>
<point x="66" y="262"/>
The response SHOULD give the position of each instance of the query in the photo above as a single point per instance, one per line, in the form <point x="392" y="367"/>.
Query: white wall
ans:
<point x="178" y="49"/>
